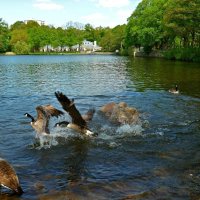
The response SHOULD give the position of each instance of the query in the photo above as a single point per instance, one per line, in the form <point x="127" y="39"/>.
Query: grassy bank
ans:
<point x="184" y="54"/>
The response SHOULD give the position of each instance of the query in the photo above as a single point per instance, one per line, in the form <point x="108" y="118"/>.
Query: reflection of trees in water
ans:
<point x="163" y="74"/>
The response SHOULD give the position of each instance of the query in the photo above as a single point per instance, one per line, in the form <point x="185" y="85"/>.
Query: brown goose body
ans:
<point x="79" y="122"/>
<point x="41" y="124"/>
<point x="8" y="177"/>
<point x="120" y="113"/>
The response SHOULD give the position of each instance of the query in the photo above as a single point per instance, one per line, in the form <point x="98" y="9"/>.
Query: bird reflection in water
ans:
<point x="75" y="162"/>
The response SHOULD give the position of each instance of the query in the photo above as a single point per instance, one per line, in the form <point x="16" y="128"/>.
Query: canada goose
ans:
<point x="174" y="90"/>
<point x="8" y="177"/>
<point x="120" y="113"/>
<point x="87" y="117"/>
<point x="79" y="123"/>
<point x="43" y="115"/>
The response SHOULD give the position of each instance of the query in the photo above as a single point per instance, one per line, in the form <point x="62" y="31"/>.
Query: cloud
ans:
<point x="124" y="14"/>
<point x="113" y="3"/>
<point x="94" y="18"/>
<point x="47" y="5"/>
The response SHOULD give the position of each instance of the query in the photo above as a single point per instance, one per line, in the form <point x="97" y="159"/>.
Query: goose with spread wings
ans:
<point x="79" y="122"/>
<point x="41" y="124"/>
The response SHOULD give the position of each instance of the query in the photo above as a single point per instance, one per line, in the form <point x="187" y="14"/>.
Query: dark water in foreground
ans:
<point x="159" y="159"/>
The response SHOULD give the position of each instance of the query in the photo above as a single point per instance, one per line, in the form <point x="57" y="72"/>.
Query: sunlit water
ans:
<point x="156" y="159"/>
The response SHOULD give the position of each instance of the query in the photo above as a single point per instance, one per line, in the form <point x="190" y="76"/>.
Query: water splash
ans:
<point x="44" y="141"/>
<point x="130" y="130"/>
<point x="109" y="134"/>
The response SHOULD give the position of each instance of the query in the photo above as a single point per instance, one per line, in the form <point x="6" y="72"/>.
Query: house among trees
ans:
<point x="90" y="46"/>
<point x="86" y="46"/>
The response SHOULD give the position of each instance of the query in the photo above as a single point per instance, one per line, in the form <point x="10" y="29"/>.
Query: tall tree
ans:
<point x="18" y="25"/>
<point x="4" y="36"/>
<point x="145" y="25"/>
<point x="89" y="33"/>
<point x="181" y="20"/>
<point x="74" y="36"/>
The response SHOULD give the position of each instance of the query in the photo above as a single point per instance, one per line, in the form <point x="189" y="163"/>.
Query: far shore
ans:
<point x="61" y="53"/>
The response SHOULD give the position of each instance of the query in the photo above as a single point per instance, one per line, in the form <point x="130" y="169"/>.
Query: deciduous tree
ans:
<point x="4" y="36"/>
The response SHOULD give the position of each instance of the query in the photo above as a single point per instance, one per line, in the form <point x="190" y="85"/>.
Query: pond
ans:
<point x="157" y="159"/>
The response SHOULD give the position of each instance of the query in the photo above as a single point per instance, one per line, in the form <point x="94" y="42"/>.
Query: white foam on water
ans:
<point x="129" y="130"/>
<point x="110" y="133"/>
<point x="106" y="133"/>
<point x="45" y="141"/>
<point x="48" y="140"/>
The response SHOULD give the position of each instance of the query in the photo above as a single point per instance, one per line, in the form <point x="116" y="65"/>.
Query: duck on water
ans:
<point x="9" y="178"/>
<point x="174" y="90"/>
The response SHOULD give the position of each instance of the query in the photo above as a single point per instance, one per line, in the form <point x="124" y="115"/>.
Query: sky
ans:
<point x="58" y="12"/>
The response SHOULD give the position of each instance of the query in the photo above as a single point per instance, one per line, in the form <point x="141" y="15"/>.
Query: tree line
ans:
<point x="171" y="26"/>
<point x="30" y="37"/>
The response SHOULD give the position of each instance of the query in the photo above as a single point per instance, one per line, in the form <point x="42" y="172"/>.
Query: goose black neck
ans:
<point x="31" y="117"/>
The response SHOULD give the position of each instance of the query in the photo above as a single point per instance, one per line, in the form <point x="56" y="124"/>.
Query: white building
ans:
<point x="90" y="46"/>
<point x="40" y="22"/>
<point x="86" y="46"/>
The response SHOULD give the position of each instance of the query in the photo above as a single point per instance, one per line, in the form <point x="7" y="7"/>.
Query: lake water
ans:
<point x="158" y="159"/>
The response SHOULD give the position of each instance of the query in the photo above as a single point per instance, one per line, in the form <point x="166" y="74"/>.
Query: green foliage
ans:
<point x="18" y="35"/>
<point x="145" y="26"/>
<point x="89" y="33"/>
<point x="113" y="39"/>
<point x="154" y="25"/>
<point x="185" y="54"/>
<point x="21" y="47"/>
<point x="17" y="25"/>
<point x="166" y="24"/>
<point x="34" y="37"/>
<point x="4" y="36"/>
<point x="74" y="36"/>
<point x="181" y="19"/>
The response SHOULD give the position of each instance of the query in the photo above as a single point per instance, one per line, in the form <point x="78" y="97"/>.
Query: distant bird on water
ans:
<point x="174" y="90"/>
<point x="8" y="177"/>
<point x="79" y="123"/>
<point x="41" y="124"/>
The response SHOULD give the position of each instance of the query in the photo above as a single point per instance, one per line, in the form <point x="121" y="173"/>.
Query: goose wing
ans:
<point x="69" y="106"/>
<point x="52" y="111"/>
<point x="43" y="115"/>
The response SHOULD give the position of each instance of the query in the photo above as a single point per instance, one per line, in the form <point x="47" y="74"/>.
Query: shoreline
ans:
<point x="60" y="53"/>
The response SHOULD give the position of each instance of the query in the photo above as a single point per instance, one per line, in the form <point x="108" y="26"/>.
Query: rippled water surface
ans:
<point x="157" y="159"/>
